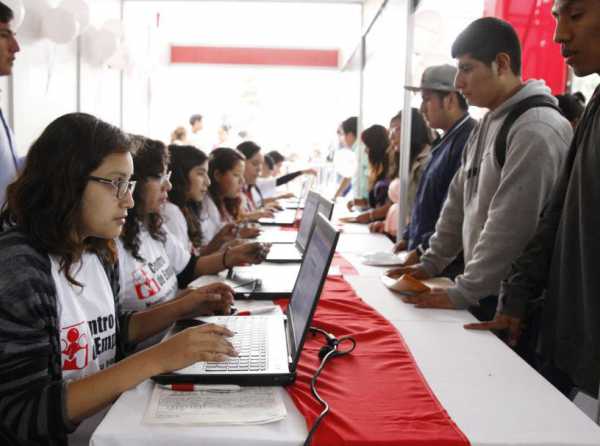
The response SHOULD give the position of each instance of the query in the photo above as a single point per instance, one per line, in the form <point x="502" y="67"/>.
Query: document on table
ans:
<point x="249" y="405"/>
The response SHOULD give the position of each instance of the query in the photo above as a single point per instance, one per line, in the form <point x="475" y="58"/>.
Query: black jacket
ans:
<point x="562" y="259"/>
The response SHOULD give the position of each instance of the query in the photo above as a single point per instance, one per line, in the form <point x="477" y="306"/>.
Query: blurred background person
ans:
<point x="179" y="136"/>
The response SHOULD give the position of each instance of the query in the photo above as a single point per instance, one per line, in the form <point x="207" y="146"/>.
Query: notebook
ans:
<point x="269" y="347"/>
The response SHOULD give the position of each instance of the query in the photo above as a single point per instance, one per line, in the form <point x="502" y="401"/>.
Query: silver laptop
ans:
<point x="269" y="347"/>
<point x="284" y="253"/>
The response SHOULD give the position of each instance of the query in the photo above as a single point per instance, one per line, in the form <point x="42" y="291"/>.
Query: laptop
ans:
<point x="269" y="347"/>
<point x="279" y="236"/>
<point x="284" y="253"/>
<point x="285" y="217"/>
<point x="299" y="203"/>
<point x="263" y="282"/>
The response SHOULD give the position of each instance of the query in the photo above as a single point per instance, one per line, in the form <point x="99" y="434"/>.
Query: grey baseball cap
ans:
<point x="437" y="77"/>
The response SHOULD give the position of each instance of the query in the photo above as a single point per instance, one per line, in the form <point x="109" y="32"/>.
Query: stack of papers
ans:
<point x="382" y="258"/>
<point x="245" y="406"/>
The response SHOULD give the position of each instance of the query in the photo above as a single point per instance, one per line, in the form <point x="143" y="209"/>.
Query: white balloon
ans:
<point x="99" y="45"/>
<point x="60" y="26"/>
<point x="116" y="27"/>
<point x="31" y="29"/>
<point x="18" y="10"/>
<point x="80" y="9"/>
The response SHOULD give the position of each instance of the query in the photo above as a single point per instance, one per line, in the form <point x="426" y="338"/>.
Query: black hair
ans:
<point x="580" y="97"/>
<point x="276" y="156"/>
<point x="45" y="200"/>
<point x="350" y="125"/>
<point x="420" y="137"/>
<point x="6" y="14"/>
<point x="248" y="148"/>
<point x="570" y="106"/>
<point x="194" y="118"/>
<point x="487" y="37"/>
<point x="223" y="159"/>
<point x="462" y="102"/>
<point x="377" y="141"/>
<point x="150" y="160"/>
<point x="269" y="162"/>
<point x="182" y="160"/>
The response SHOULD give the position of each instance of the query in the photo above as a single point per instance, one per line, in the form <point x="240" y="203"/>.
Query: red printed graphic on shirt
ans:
<point x="145" y="285"/>
<point x="75" y="345"/>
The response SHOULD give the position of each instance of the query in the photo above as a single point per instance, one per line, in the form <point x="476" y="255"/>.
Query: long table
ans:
<point x="494" y="397"/>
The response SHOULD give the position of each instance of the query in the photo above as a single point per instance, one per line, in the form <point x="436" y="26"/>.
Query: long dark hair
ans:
<point x="377" y="141"/>
<point x="150" y="158"/>
<point x="184" y="159"/>
<point x="222" y="160"/>
<point x="420" y="137"/>
<point x="45" y="201"/>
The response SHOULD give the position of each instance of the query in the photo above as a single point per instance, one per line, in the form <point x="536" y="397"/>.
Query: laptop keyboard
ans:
<point x="250" y="343"/>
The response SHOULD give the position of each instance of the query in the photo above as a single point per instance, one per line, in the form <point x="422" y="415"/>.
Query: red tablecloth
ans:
<point x="377" y="395"/>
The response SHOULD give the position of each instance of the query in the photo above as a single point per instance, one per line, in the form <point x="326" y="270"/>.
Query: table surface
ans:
<point x="494" y="397"/>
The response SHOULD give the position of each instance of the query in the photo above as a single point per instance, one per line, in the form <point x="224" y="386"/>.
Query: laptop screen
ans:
<point x="310" y="280"/>
<point x="325" y="207"/>
<point x="308" y="215"/>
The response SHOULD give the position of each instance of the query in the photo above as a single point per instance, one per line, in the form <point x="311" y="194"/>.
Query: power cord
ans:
<point x="327" y="352"/>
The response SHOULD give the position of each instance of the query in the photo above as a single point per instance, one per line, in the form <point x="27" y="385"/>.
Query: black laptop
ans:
<point x="285" y="253"/>
<point x="269" y="347"/>
<point x="277" y="235"/>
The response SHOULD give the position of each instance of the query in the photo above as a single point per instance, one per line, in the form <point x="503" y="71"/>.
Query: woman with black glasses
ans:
<point x="64" y="335"/>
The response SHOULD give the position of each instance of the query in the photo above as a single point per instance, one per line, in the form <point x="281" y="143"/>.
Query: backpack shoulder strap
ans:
<point x="500" y="147"/>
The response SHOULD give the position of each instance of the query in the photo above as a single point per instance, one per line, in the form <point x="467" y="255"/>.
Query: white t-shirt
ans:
<point x="210" y="220"/>
<point x="153" y="281"/>
<point x="268" y="189"/>
<point x="175" y="222"/>
<point x="88" y="334"/>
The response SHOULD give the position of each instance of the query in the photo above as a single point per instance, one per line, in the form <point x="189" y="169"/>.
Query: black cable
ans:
<point x="327" y="352"/>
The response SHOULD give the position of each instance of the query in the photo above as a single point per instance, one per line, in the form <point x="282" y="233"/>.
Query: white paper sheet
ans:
<point x="249" y="405"/>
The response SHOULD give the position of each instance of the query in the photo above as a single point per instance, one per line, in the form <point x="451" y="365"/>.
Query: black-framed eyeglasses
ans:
<point x="162" y="178"/>
<point x="121" y="186"/>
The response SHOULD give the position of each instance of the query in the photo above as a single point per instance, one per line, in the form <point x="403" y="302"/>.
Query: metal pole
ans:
<point x="356" y="189"/>
<point x="404" y="168"/>
<point x="121" y="76"/>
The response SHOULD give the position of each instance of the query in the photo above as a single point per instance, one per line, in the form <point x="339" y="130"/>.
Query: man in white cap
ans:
<point x="9" y="161"/>
<point x="445" y="109"/>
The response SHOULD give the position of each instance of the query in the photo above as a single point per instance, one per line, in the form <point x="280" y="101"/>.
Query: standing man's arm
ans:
<point x="446" y="243"/>
<point x="533" y="162"/>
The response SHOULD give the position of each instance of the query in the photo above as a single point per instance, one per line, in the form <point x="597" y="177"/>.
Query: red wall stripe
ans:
<point x="255" y="56"/>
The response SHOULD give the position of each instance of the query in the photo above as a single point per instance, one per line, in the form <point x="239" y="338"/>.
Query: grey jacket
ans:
<point x="492" y="212"/>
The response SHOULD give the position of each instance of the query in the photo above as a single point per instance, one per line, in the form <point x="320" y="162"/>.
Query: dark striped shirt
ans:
<point x="32" y="391"/>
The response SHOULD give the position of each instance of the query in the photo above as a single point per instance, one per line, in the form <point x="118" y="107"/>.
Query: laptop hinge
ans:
<point x="288" y="339"/>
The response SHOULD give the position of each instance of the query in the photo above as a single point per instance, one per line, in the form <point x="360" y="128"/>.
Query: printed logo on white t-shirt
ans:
<point x="150" y="278"/>
<point x="153" y="281"/>
<point x="88" y="333"/>
<point x="75" y="345"/>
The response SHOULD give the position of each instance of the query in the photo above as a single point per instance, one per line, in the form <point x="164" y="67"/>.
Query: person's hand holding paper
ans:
<point x="423" y="293"/>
